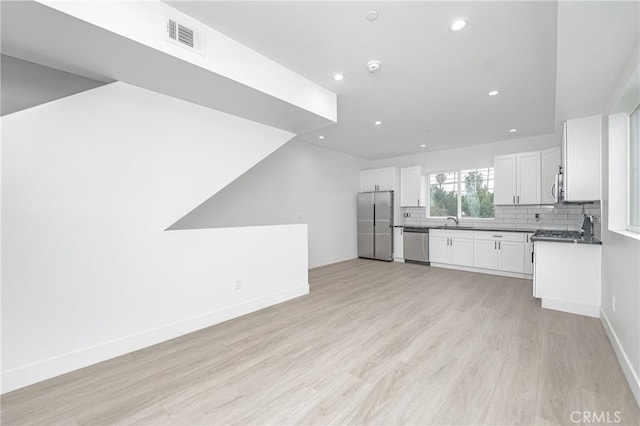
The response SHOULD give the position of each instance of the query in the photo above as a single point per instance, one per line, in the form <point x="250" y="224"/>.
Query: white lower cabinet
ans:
<point x="486" y="254"/>
<point x="528" y="251"/>
<point x="567" y="277"/>
<point x="398" y="244"/>
<point x="438" y="248"/>
<point x="501" y="251"/>
<point x="511" y="256"/>
<point x="461" y="251"/>
<point x="483" y="251"/>
<point x="451" y="247"/>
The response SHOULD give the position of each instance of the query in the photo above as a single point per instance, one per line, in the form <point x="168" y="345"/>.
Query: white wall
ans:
<point x="89" y="183"/>
<point x="25" y="84"/>
<point x="472" y="156"/>
<point x="298" y="183"/>
<point x="620" y="252"/>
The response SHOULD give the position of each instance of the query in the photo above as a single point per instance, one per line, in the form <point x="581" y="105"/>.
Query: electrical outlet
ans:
<point x="238" y="284"/>
<point x="537" y="216"/>
<point x="613" y="303"/>
<point x="407" y="214"/>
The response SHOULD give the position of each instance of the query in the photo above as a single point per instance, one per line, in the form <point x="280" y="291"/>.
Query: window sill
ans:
<point x="625" y="233"/>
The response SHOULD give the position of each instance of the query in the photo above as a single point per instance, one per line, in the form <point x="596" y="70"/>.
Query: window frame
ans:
<point x="629" y="227"/>
<point x="458" y="174"/>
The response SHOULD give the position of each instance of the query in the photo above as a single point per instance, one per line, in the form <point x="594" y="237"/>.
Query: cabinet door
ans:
<point x="582" y="159"/>
<point x="368" y="180"/>
<point x="387" y="179"/>
<point x="461" y="252"/>
<point x="528" y="178"/>
<point x="398" y="243"/>
<point x="528" y="255"/>
<point x="485" y="254"/>
<point x="511" y="256"/>
<point x="438" y="249"/>
<point x="410" y="186"/>
<point x="505" y="179"/>
<point x="550" y="164"/>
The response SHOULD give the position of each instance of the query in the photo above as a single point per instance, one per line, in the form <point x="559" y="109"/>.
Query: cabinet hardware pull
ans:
<point x="418" y="202"/>
<point x="499" y="248"/>
<point x="514" y="199"/>
<point x="495" y="245"/>
<point x="497" y="236"/>
<point x="518" y="199"/>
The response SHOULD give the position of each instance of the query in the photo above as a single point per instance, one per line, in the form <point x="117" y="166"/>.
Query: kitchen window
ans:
<point x="467" y="194"/>
<point x="633" y="215"/>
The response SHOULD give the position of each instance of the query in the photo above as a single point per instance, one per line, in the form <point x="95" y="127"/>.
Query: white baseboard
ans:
<point x="627" y="368"/>
<point x="328" y="260"/>
<point x="571" y="307"/>
<point x="45" y="369"/>
<point x="483" y="271"/>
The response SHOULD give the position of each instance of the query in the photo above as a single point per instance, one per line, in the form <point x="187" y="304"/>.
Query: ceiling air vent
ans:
<point x="185" y="36"/>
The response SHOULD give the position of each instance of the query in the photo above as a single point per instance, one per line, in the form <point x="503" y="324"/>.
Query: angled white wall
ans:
<point x="298" y="183"/>
<point x="89" y="184"/>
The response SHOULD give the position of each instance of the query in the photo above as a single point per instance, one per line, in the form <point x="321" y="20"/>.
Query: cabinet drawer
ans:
<point x="451" y="233"/>
<point x="499" y="236"/>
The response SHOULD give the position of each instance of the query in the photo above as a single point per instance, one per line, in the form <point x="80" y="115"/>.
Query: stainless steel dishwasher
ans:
<point x="416" y="245"/>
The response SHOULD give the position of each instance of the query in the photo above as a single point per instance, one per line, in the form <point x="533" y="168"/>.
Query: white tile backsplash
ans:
<point x="517" y="217"/>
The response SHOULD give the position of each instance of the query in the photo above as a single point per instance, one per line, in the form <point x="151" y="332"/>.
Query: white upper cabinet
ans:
<point x="379" y="179"/>
<point x="528" y="178"/>
<point x="411" y="187"/>
<point x="550" y="159"/>
<point x="505" y="179"/>
<point x="517" y="178"/>
<point x="581" y="158"/>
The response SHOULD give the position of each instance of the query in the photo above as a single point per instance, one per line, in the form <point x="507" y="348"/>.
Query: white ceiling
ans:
<point x="433" y="84"/>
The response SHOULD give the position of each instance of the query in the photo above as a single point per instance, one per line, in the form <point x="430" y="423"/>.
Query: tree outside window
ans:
<point x="477" y="195"/>
<point x="466" y="193"/>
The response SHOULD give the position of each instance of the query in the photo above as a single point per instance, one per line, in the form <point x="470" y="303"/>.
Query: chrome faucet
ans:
<point x="453" y="218"/>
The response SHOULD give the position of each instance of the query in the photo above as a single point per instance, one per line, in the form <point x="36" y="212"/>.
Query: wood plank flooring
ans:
<point x="374" y="343"/>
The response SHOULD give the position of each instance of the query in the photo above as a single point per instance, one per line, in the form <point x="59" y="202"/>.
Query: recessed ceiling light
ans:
<point x="338" y="77"/>
<point x="377" y="123"/>
<point x="513" y="130"/>
<point x="320" y="137"/>
<point x="493" y="93"/>
<point x="372" y="15"/>
<point x="423" y="145"/>
<point x="458" y="24"/>
<point x="373" y="66"/>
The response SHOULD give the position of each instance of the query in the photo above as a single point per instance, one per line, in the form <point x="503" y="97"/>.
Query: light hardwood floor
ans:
<point x="374" y="343"/>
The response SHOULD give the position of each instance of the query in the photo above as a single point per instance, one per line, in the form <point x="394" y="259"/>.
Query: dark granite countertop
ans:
<point x="590" y="240"/>
<point x="467" y="228"/>
<point x="528" y="231"/>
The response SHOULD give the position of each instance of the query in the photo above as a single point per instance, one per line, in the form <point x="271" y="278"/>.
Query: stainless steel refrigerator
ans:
<point x="375" y="225"/>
